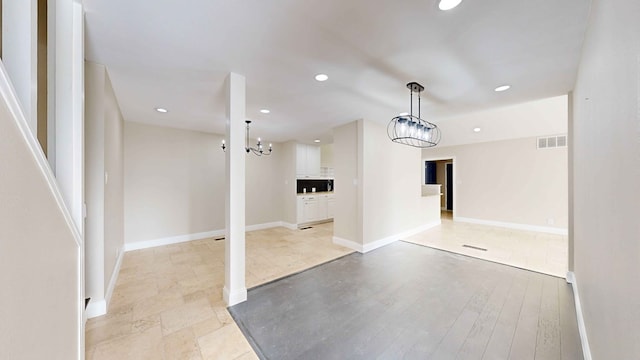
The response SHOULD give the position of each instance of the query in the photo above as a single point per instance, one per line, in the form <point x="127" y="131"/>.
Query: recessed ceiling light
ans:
<point x="316" y="140"/>
<point x="502" y="88"/>
<point x="322" y="77"/>
<point x="448" y="4"/>
<point x="476" y="129"/>
<point x="403" y="114"/>
<point x="265" y="111"/>
<point x="162" y="110"/>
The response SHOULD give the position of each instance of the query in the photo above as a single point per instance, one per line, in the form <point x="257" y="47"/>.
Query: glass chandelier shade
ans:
<point x="412" y="130"/>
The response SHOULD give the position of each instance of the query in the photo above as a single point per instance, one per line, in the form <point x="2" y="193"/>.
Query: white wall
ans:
<point x="392" y="201"/>
<point x="94" y="181"/>
<point x="104" y="131"/>
<point x="19" y="53"/>
<point x="174" y="183"/>
<point x="40" y="261"/>
<point x="534" y="118"/>
<point x="326" y="155"/>
<point x="346" y="222"/>
<point x="606" y="178"/>
<point x="509" y="181"/>
<point x="288" y="168"/>
<point x="378" y="191"/>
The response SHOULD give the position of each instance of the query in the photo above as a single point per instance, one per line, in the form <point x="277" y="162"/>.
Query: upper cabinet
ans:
<point x="307" y="161"/>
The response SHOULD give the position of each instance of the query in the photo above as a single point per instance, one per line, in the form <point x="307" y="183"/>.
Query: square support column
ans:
<point x="235" y="290"/>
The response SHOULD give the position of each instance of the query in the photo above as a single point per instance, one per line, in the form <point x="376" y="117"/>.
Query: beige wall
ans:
<point x="105" y="199"/>
<point x="174" y="183"/>
<point x="392" y="200"/>
<point x="326" y="155"/>
<point x="346" y="223"/>
<point x="441" y="172"/>
<point x="114" y="188"/>
<point x="289" y="198"/>
<point x="509" y="181"/>
<point x="40" y="305"/>
<point x="378" y="192"/>
<point x="606" y="179"/>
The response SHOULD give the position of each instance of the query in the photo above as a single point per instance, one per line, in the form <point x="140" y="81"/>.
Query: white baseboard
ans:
<point x="98" y="307"/>
<point x="543" y="229"/>
<point x="234" y="297"/>
<point x="289" y="226"/>
<point x="171" y="240"/>
<point x="348" y="244"/>
<point x="384" y="241"/>
<point x="263" y="226"/>
<point x="586" y="350"/>
<point x="138" y="245"/>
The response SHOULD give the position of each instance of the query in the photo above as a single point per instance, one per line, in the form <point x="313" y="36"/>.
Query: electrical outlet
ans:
<point x="551" y="221"/>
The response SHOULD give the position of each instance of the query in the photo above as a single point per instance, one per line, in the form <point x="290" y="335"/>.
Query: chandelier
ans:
<point x="258" y="150"/>
<point x="412" y="130"/>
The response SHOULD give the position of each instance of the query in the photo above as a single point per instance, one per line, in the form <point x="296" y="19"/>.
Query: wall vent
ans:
<point x="549" y="142"/>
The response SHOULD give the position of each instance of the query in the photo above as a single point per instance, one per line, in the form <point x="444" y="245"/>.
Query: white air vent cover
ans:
<point x="549" y="142"/>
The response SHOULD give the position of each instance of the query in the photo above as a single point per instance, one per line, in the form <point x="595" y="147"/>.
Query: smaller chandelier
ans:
<point x="258" y="150"/>
<point x="412" y="130"/>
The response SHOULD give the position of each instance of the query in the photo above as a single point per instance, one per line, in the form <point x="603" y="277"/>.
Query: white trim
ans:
<point x="289" y="226"/>
<point x="236" y="297"/>
<point x="384" y="241"/>
<point x="114" y="276"/>
<point x="8" y="93"/>
<point x="582" y="329"/>
<point x="96" y="308"/>
<point x="348" y="244"/>
<point x="171" y="240"/>
<point x="393" y="238"/>
<point x="138" y="245"/>
<point x="543" y="229"/>
<point x="263" y="226"/>
<point x="99" y="307"/>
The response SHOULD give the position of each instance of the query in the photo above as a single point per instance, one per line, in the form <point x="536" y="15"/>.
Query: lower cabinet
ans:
<point x="315" y="208"/>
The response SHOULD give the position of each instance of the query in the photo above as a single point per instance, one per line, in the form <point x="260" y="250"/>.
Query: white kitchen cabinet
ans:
<point x="311" y="209"/>
<point x="315" y="208"/>
<point x="307" y="161"/>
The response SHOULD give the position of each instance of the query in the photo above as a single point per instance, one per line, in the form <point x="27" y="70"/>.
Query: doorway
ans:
<point x="441" y="172"/>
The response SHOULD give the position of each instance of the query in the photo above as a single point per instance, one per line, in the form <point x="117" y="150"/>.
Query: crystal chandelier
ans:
<point x="412" y="130"/>
<point x="258" y="150"/>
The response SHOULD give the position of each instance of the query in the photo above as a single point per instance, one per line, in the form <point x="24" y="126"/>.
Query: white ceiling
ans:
<point x="176" y="54"/>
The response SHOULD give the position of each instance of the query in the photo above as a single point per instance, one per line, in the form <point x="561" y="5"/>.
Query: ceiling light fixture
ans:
<point x="502" y="88"/>
<point x="476" y="129"/>
<point x="316" y="140"/>
<point x="258" y="150"/>
<point x="448" y="4"/>
<point x="265" y="111"/>
<point x="412" y="130"/>
<point x="322" y="77"/>
<point x="162" y="110"/>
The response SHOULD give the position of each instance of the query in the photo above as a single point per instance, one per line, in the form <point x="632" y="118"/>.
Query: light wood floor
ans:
<point x="167" y="303"/>
<point x="540" y="252"/>
<point x="405" y="301"/>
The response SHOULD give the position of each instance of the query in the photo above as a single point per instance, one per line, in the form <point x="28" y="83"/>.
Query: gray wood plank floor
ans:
<point x="406" y="301"/>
